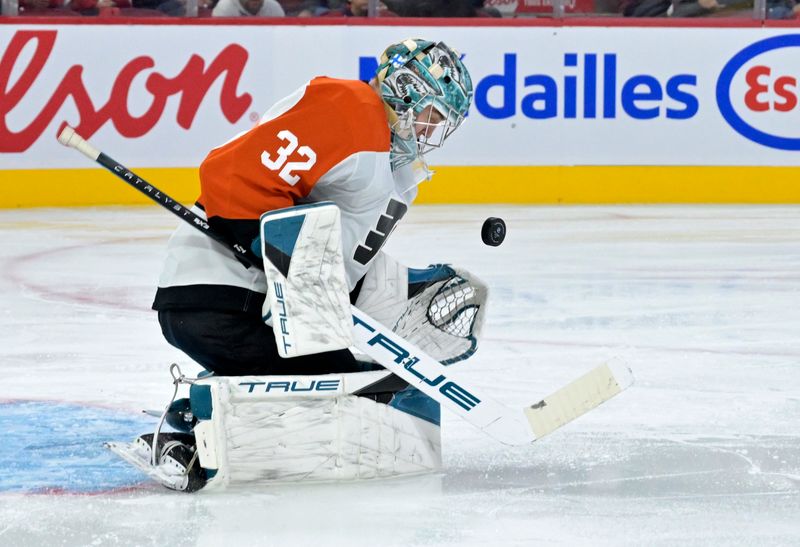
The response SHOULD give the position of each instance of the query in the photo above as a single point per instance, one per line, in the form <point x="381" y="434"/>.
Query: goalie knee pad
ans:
<point x="440" y="308"/>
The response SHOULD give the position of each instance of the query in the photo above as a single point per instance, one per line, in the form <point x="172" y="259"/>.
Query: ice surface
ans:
<point x="703" y="303"/>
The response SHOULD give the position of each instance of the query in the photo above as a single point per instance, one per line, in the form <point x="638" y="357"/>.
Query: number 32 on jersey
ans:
<point x="288" y="168"/>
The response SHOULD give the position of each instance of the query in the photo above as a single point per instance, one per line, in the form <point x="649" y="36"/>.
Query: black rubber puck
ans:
<point x="494" y="231"/>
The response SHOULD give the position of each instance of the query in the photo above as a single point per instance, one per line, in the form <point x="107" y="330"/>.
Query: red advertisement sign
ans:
<point x="191" y="85"/>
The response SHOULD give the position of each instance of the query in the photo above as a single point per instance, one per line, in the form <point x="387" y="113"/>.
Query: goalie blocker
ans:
<point x="307" y="295"/>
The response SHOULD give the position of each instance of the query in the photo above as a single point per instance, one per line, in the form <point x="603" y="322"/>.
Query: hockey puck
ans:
<point x="494" y="231"/>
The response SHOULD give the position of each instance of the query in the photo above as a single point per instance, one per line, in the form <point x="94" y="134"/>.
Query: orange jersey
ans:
<point x="278" y="162"/>
<point x="328" y="141"/>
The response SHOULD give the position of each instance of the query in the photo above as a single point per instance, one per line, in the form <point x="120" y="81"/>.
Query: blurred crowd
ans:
<point x="261" y="8"/>
<point x="775" y="9"/>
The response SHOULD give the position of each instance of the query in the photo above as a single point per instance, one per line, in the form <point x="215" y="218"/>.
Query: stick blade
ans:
<point x="578" y="397"/>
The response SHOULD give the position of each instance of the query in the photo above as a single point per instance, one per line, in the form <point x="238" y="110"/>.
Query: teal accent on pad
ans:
<point x="200" y="399"/>
<point x="431" y="274"/>
<point x="413" y="401"/>
<point x="283" y="233"/>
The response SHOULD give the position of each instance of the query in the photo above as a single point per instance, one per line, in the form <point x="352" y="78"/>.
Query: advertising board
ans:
<point x="162" y="96"/>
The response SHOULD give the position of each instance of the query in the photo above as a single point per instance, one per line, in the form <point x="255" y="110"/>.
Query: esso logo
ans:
<point x="758" y="89"/>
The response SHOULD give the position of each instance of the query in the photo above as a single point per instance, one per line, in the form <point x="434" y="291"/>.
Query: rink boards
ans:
<point x="579" y="114"/>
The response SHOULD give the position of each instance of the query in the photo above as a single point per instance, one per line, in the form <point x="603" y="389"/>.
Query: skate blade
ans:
<point x="131" y="454"/>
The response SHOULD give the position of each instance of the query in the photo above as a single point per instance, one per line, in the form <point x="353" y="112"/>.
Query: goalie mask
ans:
<point x="427" y="90"/>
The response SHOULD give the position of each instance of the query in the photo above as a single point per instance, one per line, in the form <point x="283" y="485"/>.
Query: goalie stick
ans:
<point x="513" y="426"/>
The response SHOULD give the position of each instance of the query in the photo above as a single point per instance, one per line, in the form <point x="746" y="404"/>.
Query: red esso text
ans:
<point x="767" y="91"/>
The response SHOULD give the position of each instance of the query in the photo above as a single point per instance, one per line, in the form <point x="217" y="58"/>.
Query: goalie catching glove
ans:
<point x="441" y="309"/>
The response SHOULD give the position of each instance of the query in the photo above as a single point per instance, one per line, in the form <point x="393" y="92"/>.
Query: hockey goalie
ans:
<point x="313" y="192"/>
<point x="360" y="424"/>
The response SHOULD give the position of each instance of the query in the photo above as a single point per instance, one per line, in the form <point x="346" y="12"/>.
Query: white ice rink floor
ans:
<point x="702" y="302"/>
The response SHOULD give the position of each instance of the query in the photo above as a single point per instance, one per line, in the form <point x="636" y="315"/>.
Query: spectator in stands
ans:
<point x="783" y="9"/>
<point x="247" y="8"/>
<point x="776" y="9"/>
<point x="47" y="7"/>
<point x="699" y="8"/>
<point x="441" y="8"/>
<point x="37" y="7"/>
<point x="305" y="8"/>
<point x="125" y="8"/>
<point x="205" y="7"/>
<point x="482" y="10"/>
<point x="359" y="8"/>
<point x="175" y="8"/>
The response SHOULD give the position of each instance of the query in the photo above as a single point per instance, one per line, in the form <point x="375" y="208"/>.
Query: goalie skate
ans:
<point x="177" y="468"/>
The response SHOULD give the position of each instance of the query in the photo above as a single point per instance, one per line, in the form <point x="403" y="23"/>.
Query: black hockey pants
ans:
<point x="230" y="343"/>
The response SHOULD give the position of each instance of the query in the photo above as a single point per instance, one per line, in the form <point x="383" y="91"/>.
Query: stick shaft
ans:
<point x="404" y="359"/>
<point x="69" y="138"/>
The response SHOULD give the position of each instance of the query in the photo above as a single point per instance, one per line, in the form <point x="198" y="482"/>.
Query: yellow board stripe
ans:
<point x="79" y="187"/>
<point x="483" y="184"/>
<point x="612" y="184"/>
